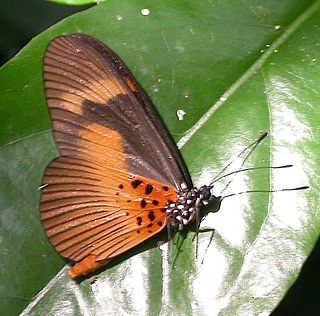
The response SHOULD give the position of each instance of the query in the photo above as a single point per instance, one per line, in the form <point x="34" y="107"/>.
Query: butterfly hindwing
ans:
<point x="88" y="209"/>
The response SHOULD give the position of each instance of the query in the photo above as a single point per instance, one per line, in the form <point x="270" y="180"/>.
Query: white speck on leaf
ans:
<point x="181" y="114"/>
<point x="145" y="12"/>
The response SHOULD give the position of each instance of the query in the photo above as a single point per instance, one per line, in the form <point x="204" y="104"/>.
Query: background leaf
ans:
<point x="234" y="73"/>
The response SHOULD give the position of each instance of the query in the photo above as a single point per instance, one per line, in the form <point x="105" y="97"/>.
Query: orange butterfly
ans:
<point x="119" y="179"/>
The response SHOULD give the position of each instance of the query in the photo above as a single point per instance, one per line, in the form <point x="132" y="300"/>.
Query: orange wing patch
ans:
<point x="89" y="210"/>
<point x="131" y="85"/>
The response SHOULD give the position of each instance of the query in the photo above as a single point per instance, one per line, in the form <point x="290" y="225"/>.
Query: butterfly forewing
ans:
<point x="117" y="169"/>
<point x="86" y="83"/>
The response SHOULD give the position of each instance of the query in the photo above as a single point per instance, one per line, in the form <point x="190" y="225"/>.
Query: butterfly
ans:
<point x="119" y="179"/>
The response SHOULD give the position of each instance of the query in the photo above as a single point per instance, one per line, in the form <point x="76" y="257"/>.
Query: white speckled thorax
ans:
<point x="188" y="204"/>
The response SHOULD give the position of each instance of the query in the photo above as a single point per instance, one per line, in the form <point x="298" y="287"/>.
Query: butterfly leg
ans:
<point x="86" y="266"/>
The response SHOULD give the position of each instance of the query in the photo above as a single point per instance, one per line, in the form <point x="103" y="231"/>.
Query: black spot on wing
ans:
<point x="139" y="220"/>
<point x="136" y="183"/>
<point x="143" y="203"/>
<point x="149" y="189"/>
<point x="151" y="216"/>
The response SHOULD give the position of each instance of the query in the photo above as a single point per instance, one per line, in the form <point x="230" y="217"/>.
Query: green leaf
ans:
<point x="234" y="73"/>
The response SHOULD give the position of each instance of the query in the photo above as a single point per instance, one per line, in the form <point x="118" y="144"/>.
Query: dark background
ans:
<point x="20" y="20"/>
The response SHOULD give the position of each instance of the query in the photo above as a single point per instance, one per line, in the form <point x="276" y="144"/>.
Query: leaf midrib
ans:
<point x="253" y="69"/>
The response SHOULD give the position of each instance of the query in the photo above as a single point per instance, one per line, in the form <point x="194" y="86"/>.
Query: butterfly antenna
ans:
<point x="265" y="191"/>
<point x="252" y="146"/>
<point x="249" y="169"/>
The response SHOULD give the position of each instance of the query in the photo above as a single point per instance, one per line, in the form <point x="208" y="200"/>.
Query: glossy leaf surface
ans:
<point x="234" y="73"/>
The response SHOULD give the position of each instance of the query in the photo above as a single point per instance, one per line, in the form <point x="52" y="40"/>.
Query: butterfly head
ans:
<point x="188" y="206"/>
